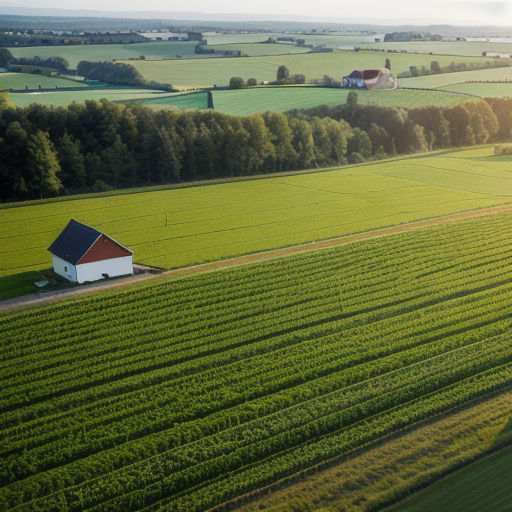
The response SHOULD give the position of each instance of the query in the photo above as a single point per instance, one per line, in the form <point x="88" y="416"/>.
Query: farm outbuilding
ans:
<point x="81" y="254"/>
<point x="370" y="79"/>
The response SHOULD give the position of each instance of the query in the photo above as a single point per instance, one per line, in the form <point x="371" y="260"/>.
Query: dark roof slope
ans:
<point x="74" y="241"/>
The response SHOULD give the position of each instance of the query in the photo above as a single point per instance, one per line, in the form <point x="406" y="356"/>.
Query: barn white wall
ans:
<point x="64" y="269"/>
<point x="94" y="271"/>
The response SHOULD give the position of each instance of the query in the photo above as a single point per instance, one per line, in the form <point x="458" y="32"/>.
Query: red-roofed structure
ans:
<point x="81" y="254"/>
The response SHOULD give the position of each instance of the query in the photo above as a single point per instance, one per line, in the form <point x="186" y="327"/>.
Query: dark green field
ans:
<point x="183" y="395"/>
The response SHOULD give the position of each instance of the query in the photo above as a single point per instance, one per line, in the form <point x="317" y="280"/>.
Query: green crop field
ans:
<point x="122" y="95"/>
<point x="388" y="471"/>
<point x="22" y="80"/>
<point x="485" y="90"/>
<point x="444" y="79"/>
<point x="186" y="394"/>
<point x="194" y="100"/>
<point x="184" y="226"/>
<point x="282" y="99"/>
<point x="100" y="52"/>
<point x="330" y="39"/>
<point x="216" y="39"/>
<point x="482" y="487"/>
<point x="459" y="48"/>
<point x="258" y="50"/>
<point x="335" y="64"/>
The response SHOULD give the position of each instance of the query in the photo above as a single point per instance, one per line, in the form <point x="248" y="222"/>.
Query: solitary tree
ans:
<point x="352" y="99"/>
<point x="236" y="82"/>
<point x="388" y="64"/>
<point x="252" y="82"/>
<point x="282" y="73"/>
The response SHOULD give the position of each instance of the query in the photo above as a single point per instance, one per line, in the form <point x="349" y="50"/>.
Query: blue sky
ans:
<point x="454" y="12"/>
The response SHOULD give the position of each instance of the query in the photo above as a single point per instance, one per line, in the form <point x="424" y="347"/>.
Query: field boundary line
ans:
<point x="42" y="298"/>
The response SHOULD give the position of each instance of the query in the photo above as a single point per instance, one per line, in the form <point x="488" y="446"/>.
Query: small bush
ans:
<point x="503" y="149"/>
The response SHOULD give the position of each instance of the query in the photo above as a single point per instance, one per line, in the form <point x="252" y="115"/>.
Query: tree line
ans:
<point x="111" y="73"/>
<point x="100" y="145"/>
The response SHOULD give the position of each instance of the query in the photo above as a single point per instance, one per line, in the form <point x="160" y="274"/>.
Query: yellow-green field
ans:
<point x="99" y="52"/>
<point x="23" y="80"/>
<point x="258" y="50"/>
<point x="444" y="79"/>
<point x="330" y="39"/>
<point x="185" y="226"/>
<point x="282" y="99"/>
<point x="336" y="64"/>
<point x="483" y="89"/>
<point x="461" y="48"/>
<point x="64" y="98"/>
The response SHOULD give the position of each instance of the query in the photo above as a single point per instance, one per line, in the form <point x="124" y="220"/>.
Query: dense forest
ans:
<point x="96" y="146"/>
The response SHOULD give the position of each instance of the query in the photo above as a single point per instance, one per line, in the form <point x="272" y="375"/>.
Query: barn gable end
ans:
<point x="104" y="248"/>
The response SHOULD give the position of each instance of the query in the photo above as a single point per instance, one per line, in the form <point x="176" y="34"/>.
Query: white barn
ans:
<point x="82" y="254"/>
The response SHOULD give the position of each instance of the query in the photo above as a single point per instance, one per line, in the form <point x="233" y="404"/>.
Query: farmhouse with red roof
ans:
<point x="81" y="254"/>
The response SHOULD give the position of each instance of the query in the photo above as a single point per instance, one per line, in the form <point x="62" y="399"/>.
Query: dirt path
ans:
<point x="37" y="299"/>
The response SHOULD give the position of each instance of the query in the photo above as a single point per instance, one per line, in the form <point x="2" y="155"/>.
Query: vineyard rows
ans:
<point x="182" y="395"/>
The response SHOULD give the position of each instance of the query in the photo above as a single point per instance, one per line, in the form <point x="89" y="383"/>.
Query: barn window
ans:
<point x="65" y="269"/>
<point x="105" y="241"/>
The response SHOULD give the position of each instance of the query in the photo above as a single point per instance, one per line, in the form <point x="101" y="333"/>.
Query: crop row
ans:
<point x="277" y="467"/>
<point x="308" y="266"/>
<point x="135" y="489"/>
<point x="482" y="309"/>
<point x="307" y="300"/>
<point x="227" y="351"/>
<point x="230" y="381"/>
<point x="63" y="440"/>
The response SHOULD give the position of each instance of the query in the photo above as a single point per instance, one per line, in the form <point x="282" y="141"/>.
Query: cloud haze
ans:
<point x="454" y="12"/>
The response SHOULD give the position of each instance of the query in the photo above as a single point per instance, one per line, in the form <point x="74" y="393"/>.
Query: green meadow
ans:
<point x="483" y="486"/>
<point x="331" y="39"/>
<point x="98" y="52"/>
<point x="186" y="226"/>
<point x="282" y="99"/>
<point x="459" y="48"/>
<point x="118" y="94"/>
<point x="335" y="64"/>
<point x="259" y="50"/>
<point x="23" y="80"/>
<point x="444" y="79"/>
<point x="192" y="100"/>
<point x="483" y="89"/>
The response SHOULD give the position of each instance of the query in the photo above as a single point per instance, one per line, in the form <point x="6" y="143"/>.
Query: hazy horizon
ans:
<point x="452" y="12"/>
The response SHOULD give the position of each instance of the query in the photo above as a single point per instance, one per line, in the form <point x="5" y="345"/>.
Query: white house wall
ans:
<point x="94" y="271"/>
<point x="64" y="269"/>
